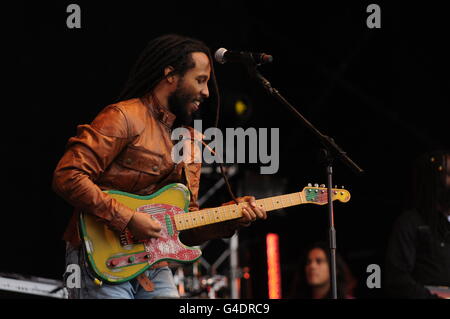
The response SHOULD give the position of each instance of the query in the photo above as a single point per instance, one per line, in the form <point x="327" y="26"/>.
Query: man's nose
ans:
<point x="313" y="265"/>
<point x="205" y="92"/>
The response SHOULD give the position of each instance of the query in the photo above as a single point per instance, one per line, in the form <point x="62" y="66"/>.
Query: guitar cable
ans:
<point x="216" y="124"/>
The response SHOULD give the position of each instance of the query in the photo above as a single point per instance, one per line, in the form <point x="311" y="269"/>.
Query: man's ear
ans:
<point x="168" y="74"/>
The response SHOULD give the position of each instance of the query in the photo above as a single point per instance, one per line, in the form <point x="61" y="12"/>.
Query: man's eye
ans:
<point x="202" y="80"/>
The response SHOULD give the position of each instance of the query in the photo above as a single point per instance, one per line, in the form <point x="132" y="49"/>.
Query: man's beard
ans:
<point x="179" y="105"/>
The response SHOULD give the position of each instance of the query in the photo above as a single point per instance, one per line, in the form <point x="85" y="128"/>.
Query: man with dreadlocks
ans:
<point x="418" y="254"/>
<point x="128" y="147"/>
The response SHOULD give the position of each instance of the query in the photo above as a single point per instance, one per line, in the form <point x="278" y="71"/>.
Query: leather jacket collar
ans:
<point x="160" y="112"/>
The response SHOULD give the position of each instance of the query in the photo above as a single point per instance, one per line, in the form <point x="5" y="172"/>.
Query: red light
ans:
<point x="273" y="266"/>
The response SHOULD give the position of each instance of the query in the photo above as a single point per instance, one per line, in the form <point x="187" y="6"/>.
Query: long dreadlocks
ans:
<point x="170" y="50"/>
<point x="430" y="193"/>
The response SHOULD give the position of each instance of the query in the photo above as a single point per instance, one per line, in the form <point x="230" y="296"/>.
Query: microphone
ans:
<point x="223" y="55"/>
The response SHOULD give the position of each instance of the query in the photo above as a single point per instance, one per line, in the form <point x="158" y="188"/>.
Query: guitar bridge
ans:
<point x="126" y="238"/>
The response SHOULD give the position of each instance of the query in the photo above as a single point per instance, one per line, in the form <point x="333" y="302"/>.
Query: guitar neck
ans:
<point x="223" y="213"/>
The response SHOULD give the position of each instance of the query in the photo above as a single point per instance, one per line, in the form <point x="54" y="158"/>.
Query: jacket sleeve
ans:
<point x="87" y="156"/>
<point x="400" y="261"/>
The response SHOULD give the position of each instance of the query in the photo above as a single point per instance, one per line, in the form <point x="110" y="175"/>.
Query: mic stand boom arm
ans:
<point x="326" y="141"/>
<point x="330" y="151"/>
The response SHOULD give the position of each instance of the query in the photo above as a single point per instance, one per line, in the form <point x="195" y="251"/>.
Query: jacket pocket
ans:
<point x="135" y="169"/>
<point x="141" y="160"/>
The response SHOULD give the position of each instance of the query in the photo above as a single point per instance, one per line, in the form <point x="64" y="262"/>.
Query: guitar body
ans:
<point x="118" y="258"/>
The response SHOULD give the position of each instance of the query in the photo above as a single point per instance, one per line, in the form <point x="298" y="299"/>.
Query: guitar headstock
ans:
<point x="319" y="194"/>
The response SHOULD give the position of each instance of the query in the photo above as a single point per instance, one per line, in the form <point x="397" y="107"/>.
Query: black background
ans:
<point x="382" y="94"/>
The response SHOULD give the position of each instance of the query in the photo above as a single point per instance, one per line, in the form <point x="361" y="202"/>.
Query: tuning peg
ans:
<point x="342" y="187"/>
<point x="322" y="185"/>
<point x="316" y="185"/>
<point x="309" y="185"/>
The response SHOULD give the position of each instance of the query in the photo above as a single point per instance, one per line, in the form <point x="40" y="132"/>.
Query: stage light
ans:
<point x="240" y="107"/>
<point x="273" y="266"/>
<point x="246" y="273"/>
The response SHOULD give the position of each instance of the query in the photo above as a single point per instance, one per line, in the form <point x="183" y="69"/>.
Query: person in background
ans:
<point x="418" y="254"/>
<point x="313" y="278"/>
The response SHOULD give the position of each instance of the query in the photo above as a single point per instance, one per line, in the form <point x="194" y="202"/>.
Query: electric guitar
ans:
<point x="118" y="258"/>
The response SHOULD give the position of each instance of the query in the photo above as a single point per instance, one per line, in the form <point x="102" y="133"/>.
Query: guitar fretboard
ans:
<point x="223" y="213"/>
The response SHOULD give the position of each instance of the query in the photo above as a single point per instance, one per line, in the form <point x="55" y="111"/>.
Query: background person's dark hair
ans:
<point x="167" y="50"/>
<point x="344" y="279"/>
<point x="429" y="193"/>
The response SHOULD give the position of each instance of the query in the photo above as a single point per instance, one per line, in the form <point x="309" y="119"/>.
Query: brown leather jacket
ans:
<point x="127" y="147"/>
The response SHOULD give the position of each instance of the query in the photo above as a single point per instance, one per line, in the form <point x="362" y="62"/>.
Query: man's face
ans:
<point x="317" y="270"/>
<point x="191" y="90"/>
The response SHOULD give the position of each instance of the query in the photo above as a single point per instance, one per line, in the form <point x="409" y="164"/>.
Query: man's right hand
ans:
<point x="143" y="226"/>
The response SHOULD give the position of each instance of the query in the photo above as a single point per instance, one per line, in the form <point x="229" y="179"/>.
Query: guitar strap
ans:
<point x="185" y="178"/>
<point x="145" y="282"/>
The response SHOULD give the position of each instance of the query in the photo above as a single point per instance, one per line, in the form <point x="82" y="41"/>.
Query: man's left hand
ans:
<point x="250" y="212"/>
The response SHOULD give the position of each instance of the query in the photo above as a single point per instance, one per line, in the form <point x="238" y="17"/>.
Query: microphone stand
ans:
<point x="329" y="152"/>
